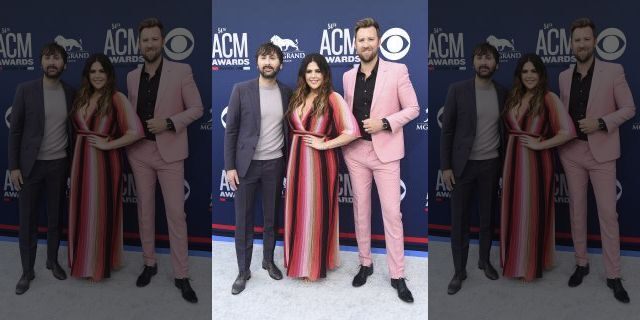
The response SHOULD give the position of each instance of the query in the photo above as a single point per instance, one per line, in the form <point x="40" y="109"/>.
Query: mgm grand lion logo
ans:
<point x="68" y="44"/>
<point x="284" y="44"/>
<point x="500" y="44"/>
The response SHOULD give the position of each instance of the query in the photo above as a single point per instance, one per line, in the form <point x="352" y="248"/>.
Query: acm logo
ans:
<point x="225" y="188"/>
<point x="345" y="190"/>
<point x="10" y="191"/>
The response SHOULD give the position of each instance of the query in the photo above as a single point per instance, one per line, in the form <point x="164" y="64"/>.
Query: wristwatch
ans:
<point x="170" y="125"/>
<point x="385" y="124"/>
<point x="602" y="125"/>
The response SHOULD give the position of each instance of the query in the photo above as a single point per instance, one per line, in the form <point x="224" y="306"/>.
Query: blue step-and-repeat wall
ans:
<point x="542" y="28"/>
<point x="112" y="28"/>
<point x="239" y="27"/>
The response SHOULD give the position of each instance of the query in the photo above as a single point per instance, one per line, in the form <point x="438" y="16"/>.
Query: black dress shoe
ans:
<point x="618" y="291"/>
<point x="578" y="274"/>
<point x="145" y="276"/>
<point x="56" y="270"/>
<point x="241" y="282"/>
<point x="488" y="269"/>
<point x="456" y="282"/>
<point x="23" y="283"/>
<point x="403" y="292"/>
<point x="274" y="272"/>
<point x="361" y="277"/>
<point x="187" y="293"/>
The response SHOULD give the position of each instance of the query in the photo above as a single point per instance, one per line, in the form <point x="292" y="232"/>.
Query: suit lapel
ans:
<point x="39" y="95"/>
<point x="254" y="95"/>
<point x="381" y="77"/>
<point x="595" y="83"/>
<point x="474" y="107"/>
<point x="351" y="83"/>
<point x="136" y="85"/>
<point x="165" y="77"/>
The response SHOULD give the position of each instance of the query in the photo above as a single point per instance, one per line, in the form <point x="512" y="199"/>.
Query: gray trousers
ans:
<point x="47" y="179"/>
<point x="266" y="175"/>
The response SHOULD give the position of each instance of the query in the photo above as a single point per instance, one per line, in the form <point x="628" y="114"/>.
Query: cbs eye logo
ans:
<point x="439" y="116"/>
<point x="179" y="44"/>
<point x="7" y="117"/>
<point x="223" y="116"/>
<point x="611" y="44"/>
<point x="395" y="44"/>
<point x="187" y="190"/>
<point x="403" y="190"/>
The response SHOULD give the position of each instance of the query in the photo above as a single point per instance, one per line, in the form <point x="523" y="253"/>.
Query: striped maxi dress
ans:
<point x="95" y="199"/>
<point x="311" y="199"/>
<point x="527" y="211"/>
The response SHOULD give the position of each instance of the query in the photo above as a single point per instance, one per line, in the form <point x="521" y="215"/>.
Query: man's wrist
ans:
<point x="385" y="124"/>
<point x="170" y="125"/>
<point x="602" y="125"/>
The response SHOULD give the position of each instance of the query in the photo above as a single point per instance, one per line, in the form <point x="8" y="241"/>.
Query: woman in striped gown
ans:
<point x="536" y="122"/>
<point x="104" y="122"/>
<point x="320" y="121"/>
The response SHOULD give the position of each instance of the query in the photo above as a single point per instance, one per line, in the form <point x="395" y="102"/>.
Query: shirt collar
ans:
<point x="374" y="71"/>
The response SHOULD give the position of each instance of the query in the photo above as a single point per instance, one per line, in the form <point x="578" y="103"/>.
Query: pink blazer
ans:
<point x="610" y="99"/>
<point x="178" y="99"/>
<point x="393" y="98"/>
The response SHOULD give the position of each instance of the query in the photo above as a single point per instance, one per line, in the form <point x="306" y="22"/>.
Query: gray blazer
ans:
<point x="27" y="124"/>
<point x="243" y="124"/>
<point x="459" y="120"/>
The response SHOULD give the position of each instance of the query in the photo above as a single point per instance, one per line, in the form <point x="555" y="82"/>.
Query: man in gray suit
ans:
<point x="39" y="152"/>
<point x="470" y="158"/>
<point x="254" y="156"/>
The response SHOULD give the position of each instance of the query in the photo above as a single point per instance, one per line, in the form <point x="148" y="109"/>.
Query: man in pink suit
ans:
<point x="383" y="100"/>
<point x="599" y="100"/>
<point x="167" y="101"/>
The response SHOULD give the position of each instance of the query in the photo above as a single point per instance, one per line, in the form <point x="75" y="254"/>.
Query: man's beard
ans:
<point x="373" y="57"/>
<point x="486" y="76"/>
<point x="54" y="75"/>
<point x="152" y="58"/>
<point x="273" y="74"/>
<point x="586" y="58"/>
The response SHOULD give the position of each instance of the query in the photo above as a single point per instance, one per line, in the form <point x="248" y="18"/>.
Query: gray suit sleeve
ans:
<point x="232" y="129"/>
<point x="447" y="133"/>
<point x="17" y="127"/>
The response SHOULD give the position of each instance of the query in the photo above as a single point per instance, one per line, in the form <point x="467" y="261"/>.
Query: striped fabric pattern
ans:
<point x="95" y="200"/>
<point x="311" y="200"/>
<point x="528" y="209"/>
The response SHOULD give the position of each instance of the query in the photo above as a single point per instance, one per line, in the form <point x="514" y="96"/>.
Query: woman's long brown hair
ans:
<point x="536" y="105"/>
<point x="321" y="102"/>
<point x="105" y="103"/>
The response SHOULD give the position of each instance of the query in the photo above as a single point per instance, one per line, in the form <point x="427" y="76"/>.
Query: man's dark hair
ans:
<point x="269" y="48"/>
<point x="366" y="23"/>
<point x="150" y="23"/>
<point x="583" y="23"/>
<point x="53" y="48"/>
<point x="486" y="48"/>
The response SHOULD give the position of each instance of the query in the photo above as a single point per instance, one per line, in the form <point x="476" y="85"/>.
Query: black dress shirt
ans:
<point x="147" y="94"/>
<point x="579" y="97"/>
<point x="362" y="98"/>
